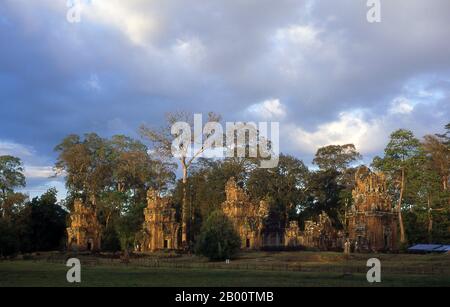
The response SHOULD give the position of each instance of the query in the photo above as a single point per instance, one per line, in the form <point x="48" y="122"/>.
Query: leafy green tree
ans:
<point x="9" y="240"/>
<point x="218" y="239"/>
<point x="110" y="240"/>
<point x="113" y="175"/>
<point x="329" y="188"/>
<point x="423" y="194"/>
<point x="47" y="224"/>
<point x="86" y="163"/>
<point x="11" y="177"/>
<point x="439" y="157"/>
<point x="336" y="157"/>
<point x="399" y="158"/>
<point x="285" y="186"/>
<point x="128" y="225"/>
<point x="323" y="195"/>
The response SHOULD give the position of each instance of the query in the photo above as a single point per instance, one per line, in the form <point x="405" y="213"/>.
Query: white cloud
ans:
<point x="401" y="105"/>
<point x="40" y="188"/>
<point x="302" y="36"/>
<point x="350" y="127"/>
<point x="35" y="172"/>
<point x="138" y="24"/>
<point x="14" y="149"/>
<point x="268" y="109"/>
<point x="93" y="83"/>
<point x="190" y="51"/>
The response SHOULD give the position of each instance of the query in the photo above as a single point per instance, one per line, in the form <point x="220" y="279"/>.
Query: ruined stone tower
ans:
<point x="247" y="216"/>
<point x="84" y="232"/>
<point x="160" y="229"/>
<point x="292" y="235"/>
<point x="371" y="222"/>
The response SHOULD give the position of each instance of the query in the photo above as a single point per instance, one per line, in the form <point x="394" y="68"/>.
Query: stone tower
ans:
<point x="160" y="229"/>
<point x="84" y="232"/>
<point x="247" y="216"/>
<point x="371" y="222"/>
<point x="292" y="235"/>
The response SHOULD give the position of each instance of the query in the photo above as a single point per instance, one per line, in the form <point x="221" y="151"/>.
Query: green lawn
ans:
<point x="320" y="269"/>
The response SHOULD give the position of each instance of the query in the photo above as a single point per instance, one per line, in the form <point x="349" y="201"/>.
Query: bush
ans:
<point x="218" y="239"/>
<point x="110" y="240"/>
<point x="9" y="241"/>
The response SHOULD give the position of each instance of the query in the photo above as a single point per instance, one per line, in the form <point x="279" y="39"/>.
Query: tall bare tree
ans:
<point x="162" y="140"/>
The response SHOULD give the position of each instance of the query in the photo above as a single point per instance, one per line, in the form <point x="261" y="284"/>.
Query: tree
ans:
<point x="329" y="188"/>
<point x="9" y="240"/>
<point x="323" y="195"/>
<point x="11" y="177"/>
<point x="399" y="156"/>
<point x="445" y="136"/>
<point x="218" y="239"/>
<point x="336" y="157"/>
<point x="162" y="141"/>
<point x="286" y="187"/>
<point x="439" y="157"/>
<point x="128" y="225"/>
<point x="206" y="187"/>
<point x="47" y="222"/>
<point x="86" y="164"/>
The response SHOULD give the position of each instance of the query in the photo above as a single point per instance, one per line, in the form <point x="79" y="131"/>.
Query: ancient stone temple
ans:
<point x="371" y="221"/>
<point x="84" y="233"/>
<point x="247" y="216"/>
<point x="319" y="234"/>
<point x="160" y="229"/>
<point x="292" y="235"/>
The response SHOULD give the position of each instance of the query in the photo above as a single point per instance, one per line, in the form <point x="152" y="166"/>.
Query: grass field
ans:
<point x="284" y="269"/>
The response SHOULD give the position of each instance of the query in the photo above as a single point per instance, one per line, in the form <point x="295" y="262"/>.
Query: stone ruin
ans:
<point x="292" y="235"/>
<point x="371" y="221"/>
<point x="160" y="229"/>
<point x="247" y="216"/>
<point x="319" y="235"/>
<point x="84" y="232"/>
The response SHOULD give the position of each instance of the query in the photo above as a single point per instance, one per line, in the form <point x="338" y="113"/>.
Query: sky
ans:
<point x="317" y="67"/>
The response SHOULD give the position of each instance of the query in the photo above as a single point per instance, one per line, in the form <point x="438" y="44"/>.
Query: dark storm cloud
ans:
<point x="317" y="66"/>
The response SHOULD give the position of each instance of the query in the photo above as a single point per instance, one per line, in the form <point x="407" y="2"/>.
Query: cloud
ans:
<point x="318" y="67"/>
<point x="42" y="172"/>
<point x="14" y="149"/>
<point x="367" y="135"/>
<point x="36" y="188"/>
<point x="268" y="109"/>
<point x="401" y="105"/>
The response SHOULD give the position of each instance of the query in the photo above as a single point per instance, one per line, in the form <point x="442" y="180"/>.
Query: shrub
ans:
<point x="218" y="239"/>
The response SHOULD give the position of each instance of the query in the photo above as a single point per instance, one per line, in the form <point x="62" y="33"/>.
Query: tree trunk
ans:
<point x="3" y="203"/>
<point x="400" y="217"/>
<point x="430" y="221"/>
<point x="184" y="213"/>
<point x="108" y="218"/>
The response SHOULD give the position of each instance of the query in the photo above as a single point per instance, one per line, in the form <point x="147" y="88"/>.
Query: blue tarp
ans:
<point x="443" y="248"/>
<point x="430" y="248"/>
